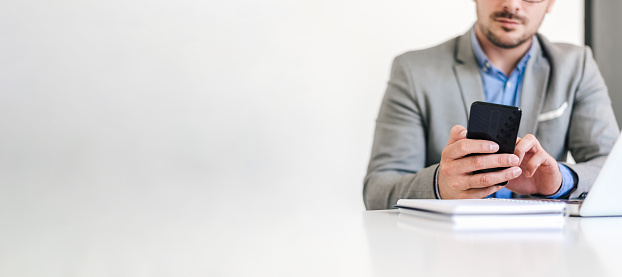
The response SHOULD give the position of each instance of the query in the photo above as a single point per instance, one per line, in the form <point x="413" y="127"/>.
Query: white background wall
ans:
<point x="129" y="128"/>
<point x="270" y="103"/>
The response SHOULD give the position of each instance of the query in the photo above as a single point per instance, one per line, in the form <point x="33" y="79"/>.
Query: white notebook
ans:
<point x="482" y="206"/>
<point x="487" y="214"/>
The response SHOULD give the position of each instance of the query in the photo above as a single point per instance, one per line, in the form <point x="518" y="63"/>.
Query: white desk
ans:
<point x="107" y="233"/>
<point x="586" y="247"/>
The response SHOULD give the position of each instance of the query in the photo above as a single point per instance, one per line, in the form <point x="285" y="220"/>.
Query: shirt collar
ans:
<point x="485" y="64"/>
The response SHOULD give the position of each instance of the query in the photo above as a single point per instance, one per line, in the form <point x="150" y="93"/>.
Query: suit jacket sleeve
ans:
<point x="397" y="165"/>
<point x="593" y="128"/>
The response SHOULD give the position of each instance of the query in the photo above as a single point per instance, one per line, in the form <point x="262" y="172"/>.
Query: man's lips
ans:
<point x="508" y="23"/>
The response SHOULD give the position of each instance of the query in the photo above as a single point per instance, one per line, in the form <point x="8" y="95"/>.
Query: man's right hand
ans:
<point x="455" y="177"/>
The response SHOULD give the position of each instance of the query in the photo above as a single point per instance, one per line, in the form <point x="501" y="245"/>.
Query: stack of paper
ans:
<point x="487" y="214"/>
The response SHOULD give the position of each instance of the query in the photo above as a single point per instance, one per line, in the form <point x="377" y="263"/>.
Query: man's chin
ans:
<point x="505" y="41"/>
<point x="508" y="44"/>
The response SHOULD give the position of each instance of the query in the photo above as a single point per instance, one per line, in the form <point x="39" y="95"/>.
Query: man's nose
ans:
<point x="512" y="6"/>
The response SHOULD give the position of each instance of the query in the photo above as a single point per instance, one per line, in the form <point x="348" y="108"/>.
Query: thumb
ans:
<point x="457" y="133"/>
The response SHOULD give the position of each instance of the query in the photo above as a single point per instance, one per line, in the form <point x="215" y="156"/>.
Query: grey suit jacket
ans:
<point x="564" y="101"/>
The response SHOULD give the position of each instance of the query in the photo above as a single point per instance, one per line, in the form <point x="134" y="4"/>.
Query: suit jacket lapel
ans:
<point x="533" y="91"/>
<point x="467" y="72"/>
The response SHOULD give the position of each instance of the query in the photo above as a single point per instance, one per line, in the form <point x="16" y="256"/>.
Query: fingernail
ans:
<point x="517" y="171"/>
<point x="513" y="160"/>
<point x="494" y="147"/>
<point x="463" y="134"/>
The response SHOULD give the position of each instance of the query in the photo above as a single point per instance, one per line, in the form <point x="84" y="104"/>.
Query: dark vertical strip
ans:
<point x="588" y="24"/>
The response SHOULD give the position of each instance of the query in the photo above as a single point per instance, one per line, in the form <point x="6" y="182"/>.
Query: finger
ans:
<point x="479" y="193"/>
<point x="526" y="144"/>
<point x="457" y="133"/>
<point x="479" y="162"/>
<point x="535" y="162"/>
<point x="464" y="147"/>
<point x="483" y="180"/>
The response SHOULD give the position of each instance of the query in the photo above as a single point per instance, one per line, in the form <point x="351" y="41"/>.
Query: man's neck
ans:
<point x="504" y="59"/>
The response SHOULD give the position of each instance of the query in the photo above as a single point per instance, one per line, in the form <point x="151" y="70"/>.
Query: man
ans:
<point x="420" y="147"/>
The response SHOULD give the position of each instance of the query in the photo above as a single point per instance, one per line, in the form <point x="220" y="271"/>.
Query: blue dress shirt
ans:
<point x="502" y="89"/>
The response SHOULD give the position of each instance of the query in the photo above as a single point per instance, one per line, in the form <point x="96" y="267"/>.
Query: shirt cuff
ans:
<point x="438" y="194"/>
<point x="568" y="182"/>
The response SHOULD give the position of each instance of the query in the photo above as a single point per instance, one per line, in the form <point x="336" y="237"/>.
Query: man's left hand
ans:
<point x="541" y="173"/>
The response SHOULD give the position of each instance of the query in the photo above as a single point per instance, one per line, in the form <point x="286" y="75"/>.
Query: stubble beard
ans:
<point x="496" y="40"/>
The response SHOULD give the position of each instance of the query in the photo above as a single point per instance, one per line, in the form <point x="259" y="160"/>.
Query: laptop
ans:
<point x="604" y="196"/>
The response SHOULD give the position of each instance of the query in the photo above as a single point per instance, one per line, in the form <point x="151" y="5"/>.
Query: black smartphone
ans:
<point x="494" y="122"/>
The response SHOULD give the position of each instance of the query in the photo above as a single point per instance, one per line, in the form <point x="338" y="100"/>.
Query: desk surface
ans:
<point x="585" y="247"/>
<point x="99" y="235"/>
